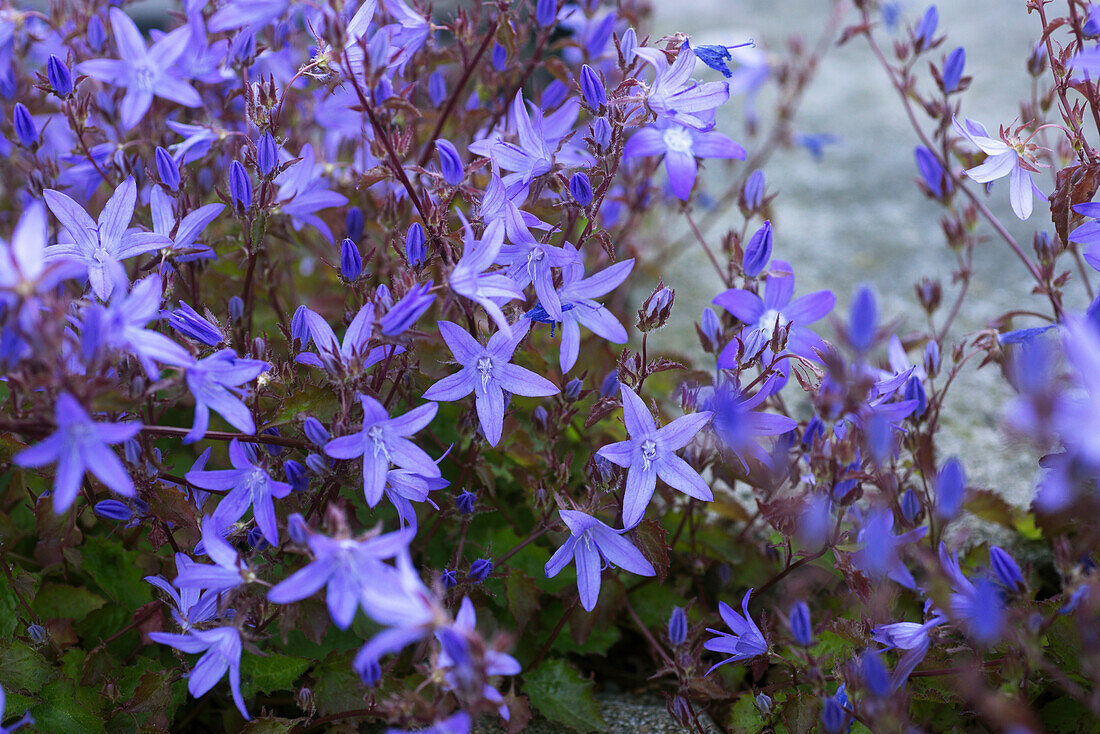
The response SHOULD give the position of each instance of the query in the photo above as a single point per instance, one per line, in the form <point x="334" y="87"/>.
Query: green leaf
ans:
<point x="22" y="669"/>
<point x="116" y="572"/>
<point x="60" y="601"/>
<point x="745" y="716"/>
<point x="67" y="707"/>
<point x="338" y="686"/>
<point x="271" y="672"/>
<point x="270" y="725"/>
<point x="560" y="694"/>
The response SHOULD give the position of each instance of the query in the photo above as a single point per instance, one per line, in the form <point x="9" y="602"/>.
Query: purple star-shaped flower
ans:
<point x="746" y="642"/>
<point x="101" y="246"/>
<point x="382" y="440"/>
<point x="229" y="570"/>
<point x="78" y="445"/>
<point x="143" y="71"/>
<point x="249" y="485"/>
<point x="222" y="652"/>
<point x="214" y="382"/>
<point x="350" y="356"/>
<point x="1003" y="160"/>
<point x="775" y="311"/>
<point x="469" y="279"/>
<point x="123" y="327"/>
<point x="681" y="145"/>
<point x="648" y="454"/>
<point x="590" y="543"/>
<point x="674" y="95"/>
<point x="345" y="566"/>
<point x="579" y="307"/>
<point x="487" y="371"/>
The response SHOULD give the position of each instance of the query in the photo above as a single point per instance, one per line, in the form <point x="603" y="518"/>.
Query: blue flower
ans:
<point x="487" y="372"/>
<point x="79" y="445"/>
<point x="382" y="440"/>
<point x="214" y="382"/>
<point x="649" y="453"/>
<point x="123" y="325"/>
<point x="746" y="642"/>
<point x="590" y="543"/>
<point x="222" y="652"/>
<point x="345" y="566"/>
<point x="229" y="570"/>
<point x="469" y="279"/>
<point x="681" y="145"/>
<point x="144" y="72"/>
<point x="248" y="485"/>
<point x="674" y="95"/>
<point x="191" y="605"/>
<point x="1004" y="158"/>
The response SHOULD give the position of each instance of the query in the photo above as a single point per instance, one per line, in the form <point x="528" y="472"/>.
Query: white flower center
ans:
<point x="374" y="433"/>
<point x="145" y="76"/>
<point x="771" y="320"/>
<point x="677" y="140"/>
<point x="534" y="257"/>
<point x="485" y="367"/>
<point x="256" y="480"/>
<point x="649" y="453"/>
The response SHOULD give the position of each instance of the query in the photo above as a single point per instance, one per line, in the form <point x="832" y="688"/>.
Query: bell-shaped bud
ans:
<point x="416" y="244"/>
<point x="546" y="12"/>
<point x="601" y="132"/>
<point x="25" y="129"/>
<point x="573" y="389"/>
<point x="240" y="185"/>
<point x="464" y="501"/>
<point x="910" y="506"/>
<point x="236" y="309"/>
<point x="950" y="489"/>
<point x="450" y="162"/>
<point x="1004" y="565"/>
<point x="752" y="193"/>
<point x="480" y="570"/>
<point x="315" y="431"/>
<point x="351" y="262"/>
<point x="499" y="57"/>
<point x="437" y="88"/>
<point x="592" y="88"/>
<point x="759" y="251"/>
<point x="953" y="69"/>
<point x="59" y="76"/>
<point x="863" y="319"/>
<point x="167" y="169"/>
<point x="677" y="627"/>
<point x="96" y="33"/>
<point x="581" y="188"/>
<point x="802" y="629"/>
<point x="628" y="44"/>
<point x="354" y="224"/>
<point x="267" y="154"/>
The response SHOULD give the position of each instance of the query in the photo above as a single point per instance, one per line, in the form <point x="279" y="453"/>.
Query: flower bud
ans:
<point x="58" y="75"/>
<point x="546" y="12"/>
<point x="910" y="506"/>
<point x="932" y="173"/>
<point x="113" y="510"/>
<point x="592" y="88"/>
<point x="401" y="317"/>
<point x="25" y="129"/>
<point x="437" y="88"/>
<point x="573" y="389"/>
<point x="499" y="57"/>
<point x="39" y="636"/>
<point x="953" y="69"/>
<point x="929" y="293"/>
<point x="450" y="162"/>
<point x="167" y="169"/>
<point x="416" y="250"/>
<point x="656" y="309"/>
<point x="297" y="529"/>
<point x="315" y="431"/>
<point x="464" y="501"/>
<point x="240" y="185"/>
<point x="833" y="716"/>
<point x="256" y="539"/>
<point x="801" y="627"/>
<point x="354" y="223"/>
<point x="449" y="579"/>
<point x="1006" y="569"/>
<point x="950" y="489"/>
<point x="677" y="627"/>
<point x="581" y="188"/>
<point x="1037" y="61"/>
<point x="296" y="475"/>
<point x="874" y="674"/>
<point x="763" y="703"/>
<point x="299" y="327"/>
<point x="318" y="464"/>
<point x="601" y="132"/>
<point x="914" y="390"/>
<point x="267" y="154"/>
<point x="931" y="358"/>
<point x="925" y="32"/>
<point x="480" y="570"/>
<point x="236" y="309"/>
<point x="759" y="251"/>
<point x="711" y="327"/>
<point x="97" y="34"/>
<point x="610" y="384"/>
<point x="863" y="319"/>
<point x="188" y="322"/>
<point x="351" y="262"/>
<point x="752" y="193"/>
<point x="627" y="44"/>
<point x="541" y="418"/>
<point x="243" y="48"/>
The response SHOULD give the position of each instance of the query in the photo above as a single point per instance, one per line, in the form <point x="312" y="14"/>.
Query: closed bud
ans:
<point x="601" y="132"/>
<point x="318" y="464"/>
<point x="1037" y="61"/>
<point x="592" y="88"/>
<point x="499" y="57"/>
<point x="450" y="162"/>
<point x="480" y="570"/>
<point x="267" y="154"/>
<point x="763" y="703"/>
<point x="934" y="177"/>
<point x="627" y="45"/>
<point x="581" y="188"/>
<point x="931" y="358"/>
<point x="449" y="579"/>
<point x="464" y="501"/>
<point x="113" y="510"/>
<point x="656" y="309"/>
<point x="296" y="475"/>
<point x="680" y="710"/>
<point x="914" y="390"/>
<point x="752" y="193"/>
<point x="58" y="75"/>
<point x="541" y="418"/>
<point x="243" y="48"/>
<point x="240" y="185"/>
<point x="97" y="34"/>
<point x="759" y="251"/>
<point x="415" y="244"/>
<point x="354" y="224"/>
<point x="677" y="627"/>
<point x="190" y="323"/>
<point x="437" y="88"/>
<point x="132" y="450"/>
<point x="167" y="169"/>
<point x="930" y="294"/>
<point x="271" y="448"/>
<point x="383" y="299"/>
<point x="408" y="310"/>
<point x="1006" y="569"/>
<point x="370" y="672"/>
<point x="925" y="31"/>
<point x="39" y="636"/>
<point x="801" y="627"/>
<point x="711" y="327"/>
<point x="351" y="262"/>
<point x="256" y="539"/>
<point x="950" y="489"/>
<point x="546" y="12"/>
<point x="863" y="319"/>
<point x="610" y="384"/>
<point x="236" y="309"/>
<point x="299" y="327"/>
<point x="304" y="699"/>
<point x="297" y="528"/>
<point x="25" y="129"/>
<point x="1044" y="246"/>
<point x="910" y="506"/>
<point x="573" y="389"/>
<point x="953" y="69"/>
<point x="315" y="431"/>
